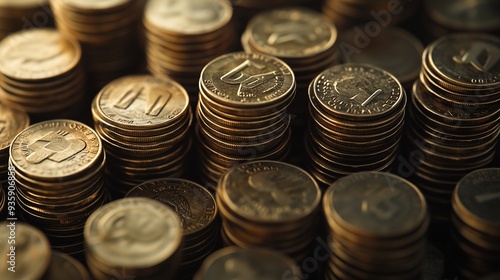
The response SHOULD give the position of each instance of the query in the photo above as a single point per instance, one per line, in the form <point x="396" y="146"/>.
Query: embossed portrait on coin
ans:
<point x="358" y="89"/>
<point x="179" y="203"/>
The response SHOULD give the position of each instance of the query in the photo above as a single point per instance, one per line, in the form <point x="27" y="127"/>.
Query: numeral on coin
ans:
<point x="482" y="56"/>
<point x="237" y="77"/>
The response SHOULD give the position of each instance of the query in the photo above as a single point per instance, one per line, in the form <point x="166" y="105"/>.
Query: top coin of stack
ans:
<point x="377" y="225"/>
<point x="41" y="73"/>
<point x="144" y="122"/>
<point x="16" y="15"/>
<point x="476" y="223"/>
<point x="182" y="36"/>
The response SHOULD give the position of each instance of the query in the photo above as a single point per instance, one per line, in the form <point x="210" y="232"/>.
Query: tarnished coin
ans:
<point x="11" y="123"/>
<point x="63" y="266"/>
<point x="25" y="251"/>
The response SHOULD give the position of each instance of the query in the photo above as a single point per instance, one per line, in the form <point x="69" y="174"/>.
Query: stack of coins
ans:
<point x="269" y="204"/>
<point x="196" y="208"/>
<point x="63" y="266"/>
<point x="144" y="124"/>
<point x="375" y="15"/>
<point x="377" y="225"/>
<point x="133" y="238"/>
<point x="107" y="32"/>
<point x="252" y="263"/>
<point x="59" y="168"/>
<point x="31" y="256"/>
<point x="242" y="111"/>
<point x="182" y="36"/>
<point x="454" y="116"/>
<point x="11" y="123"/>
<point x="16" y="15"/>
<point x="476" y="224"/>
<point x="357" y="116"/>
<point x="41" y="73"/>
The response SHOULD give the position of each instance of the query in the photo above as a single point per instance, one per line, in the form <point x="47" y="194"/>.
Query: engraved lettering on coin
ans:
<point x="483" y="56"/>
<point x="236" y="76"/>
<point x="54" y="146"/>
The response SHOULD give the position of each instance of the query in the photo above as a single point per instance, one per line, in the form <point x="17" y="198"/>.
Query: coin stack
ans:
<point x="16" y="15"/>
<point x="269" y="204"/>
<point x="454" y="115"/>
<point x="476" y="224"/>
<point x="357" y="116"/>
<point x="31" y="255"/>
<point x="59" y="167"/>
<point x="377" y="227"/>
<point x="374" y="15"/>
<point x="133" y="238"/>
<point x="144" y="123"/>
<point x="196" y="208"/>
<point x="251" y="263"/>
<point x="182" y="36"/>
<point x="107" y="32"/>
<point x="63" y="266"/>
<point x="11" y="123"/>
<point x="41" y="73"/>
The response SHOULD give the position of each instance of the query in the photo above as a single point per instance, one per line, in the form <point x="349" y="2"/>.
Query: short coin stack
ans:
<point x="197" y="210"/>
<point x="269" y="204"/>
<point x="377" y="225"/>
<point x="476" y="224"/>
<point x="454" y="116"/>
<point x="182" y="36"/>
<point x="144" y="124"/>
<point x="133" y="238"/>
<point x="41" y="73"/>
<point x="242" y="111"/>
<point x="252" y="263"/>
<point x="59" y="168"/>
<point x="16" y="15"/>
<point x="107" y="32"/>
<point x="357" y="116"/>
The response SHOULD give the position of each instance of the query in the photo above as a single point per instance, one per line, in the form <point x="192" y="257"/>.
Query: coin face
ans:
<point x="270" y="191"/>
<point x="356" y="90"/>
<point x="11" y="123"/>
<point x="247" y="79"/>
<point x="55" y="149"/>
<point x="38" y="54"/>
<point x="292" y="33"/>
<point x="188" y="16"/>
<point x="133" y="232"/>
<point x="194" y="205"/>
<point x="375" y="204"/>
<point x="470" y="60"/>
<point x="142" y="101"/>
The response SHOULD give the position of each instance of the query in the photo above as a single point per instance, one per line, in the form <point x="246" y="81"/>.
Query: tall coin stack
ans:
<point x="41" y="74"/>
<point x="377" y="225"/>
<point x="476" y="224"/>
<point x="133" y="238"/>
<point x="454" y="115"/>
<point x="242" y="111"/>
<point x="144" y="123"/>
<point x="197" y="210"/>
<point x="251" y="263"/>
<point x="182" y="36"/>
<point x="59" y="168"/>
<point x="357" y="116"/>
<point x="269" y="204"/>
<point x="23" y="14"/>
<point x="107" y="32"/>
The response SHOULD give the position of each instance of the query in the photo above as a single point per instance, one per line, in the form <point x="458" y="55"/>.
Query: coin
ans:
<point x="63" y="266"/>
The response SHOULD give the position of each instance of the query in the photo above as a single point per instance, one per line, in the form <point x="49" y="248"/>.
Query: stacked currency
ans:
<point x="251" y="263"/>
<point x="63" y="266"/>
<point x="197" y="210"/>
<point x="11" y="123"/>
<point x="133" y="238"/>
<point x="377" y="227"/>
<point x="41" y="74"/>
<point x="476" y="224"/>
<point x="59" y="168"/>
<point x="107" y="32"/>
<point x="357" y="115"/>
<point x="31" y="257"/>
<point x="269" y="204"/>
<point x="242" y="111"/>
<point x="17" y="15"/>
<point x="182" y="36"/>
<point x="144" y="123"/>
<point x="454" y="115"/>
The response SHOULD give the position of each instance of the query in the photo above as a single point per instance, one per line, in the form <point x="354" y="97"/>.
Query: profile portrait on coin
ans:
<point x="178" y="202"/>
